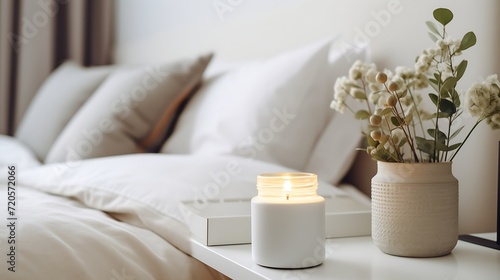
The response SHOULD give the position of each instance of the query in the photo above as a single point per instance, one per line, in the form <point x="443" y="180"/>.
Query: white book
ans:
<point x="227" y="222"/>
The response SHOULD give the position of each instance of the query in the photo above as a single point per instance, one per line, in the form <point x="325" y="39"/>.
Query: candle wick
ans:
<point x="287" y="196"/>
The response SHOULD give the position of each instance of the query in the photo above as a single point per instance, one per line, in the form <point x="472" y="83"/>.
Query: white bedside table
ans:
<point x="358" y="258"/>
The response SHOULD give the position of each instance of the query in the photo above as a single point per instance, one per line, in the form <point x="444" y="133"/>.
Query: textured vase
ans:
<point x="415" y="209"/>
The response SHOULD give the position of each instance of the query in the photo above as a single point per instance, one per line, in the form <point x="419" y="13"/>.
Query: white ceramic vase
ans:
<point x="415" y="209"/>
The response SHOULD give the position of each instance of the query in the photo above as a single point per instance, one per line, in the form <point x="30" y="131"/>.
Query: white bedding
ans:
<point x="13" y="151"/>
<point x="60" y="238"/>
<point x="119" y="215"/>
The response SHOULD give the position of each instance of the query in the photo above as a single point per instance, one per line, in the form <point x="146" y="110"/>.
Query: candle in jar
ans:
<point x="288" y="221"/>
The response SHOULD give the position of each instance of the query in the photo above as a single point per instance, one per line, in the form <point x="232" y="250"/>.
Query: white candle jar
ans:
<point x="288" y="221"/>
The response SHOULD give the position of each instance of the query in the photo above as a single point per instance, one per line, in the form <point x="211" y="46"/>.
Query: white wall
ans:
<point x="166" y="30"/>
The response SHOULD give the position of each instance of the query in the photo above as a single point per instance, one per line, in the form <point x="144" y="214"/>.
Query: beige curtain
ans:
<point x="37" y="36"/>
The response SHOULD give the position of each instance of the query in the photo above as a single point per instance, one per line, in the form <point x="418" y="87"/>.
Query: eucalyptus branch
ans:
<point x="448" y="139"/>
<point x="436" y="125"/>
<point x="466" y="137"/>
<point x="386" y="109"/>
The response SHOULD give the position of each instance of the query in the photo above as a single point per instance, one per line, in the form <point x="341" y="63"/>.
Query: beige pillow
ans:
<point x="55" y="103"/>
<point x="130" y="112"/>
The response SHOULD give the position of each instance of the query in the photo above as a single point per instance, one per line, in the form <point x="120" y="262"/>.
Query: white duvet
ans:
<point x="117" y="217"/>
<point x="58" y="238"/>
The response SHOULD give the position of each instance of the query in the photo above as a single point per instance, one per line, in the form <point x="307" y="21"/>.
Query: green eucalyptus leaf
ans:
<point x="440" y="115"/>
<point x="434" y="84"/>
<point x="461" y="69"/>
<point x="456" y="98"/>
<point x="424" y="145"/>
<point x="444" y="148"/>
<point x="372" y="127"/>
<point x="468" y="41"/>
<point x="409" y="118"/>
<point x="430" y="131"/>
<point x="381" y="156"/>
<point x="362" y="115"/>
<point x="432" y="27"/>
<point x="403" y="142"/>
<point x="385" y="154"/>
<point x="437" y="77"/>
<point x="454" y="134"/>
<point x="441" y="146"/>
<point x="453" y="147"/>
<point x="359" y="95"/>
<point x="376" y="157"/>
<point x="434" y="98"/>
<point x="433" y="37"/>
<point x="446" y="94"/>
<point x="395" y="121"/>
<point x="447" y="107"/>
<point x="448" y="84"/>
<point x="441" y="136"/>
<point x="386" y="111"/>
<point x="378" y="154"/>
<point x="354" y="85"/>
<point x="443" y="15"/>
<point x="402" y="94"/>
<point x="370" y="141"/>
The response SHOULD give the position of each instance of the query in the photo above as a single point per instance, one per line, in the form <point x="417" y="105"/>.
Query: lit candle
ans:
<point x="288" y="221"/>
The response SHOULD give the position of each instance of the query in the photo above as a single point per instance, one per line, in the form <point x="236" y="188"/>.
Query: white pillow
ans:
<point x="13" y="152"/>
<point x="274" y="110"/>
<point x="55" y="103"/>
<point x="335" y="151"/>
<point x="130" y="112"/>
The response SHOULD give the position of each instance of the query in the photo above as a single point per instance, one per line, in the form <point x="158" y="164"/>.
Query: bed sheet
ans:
<point x="55" y="237"/>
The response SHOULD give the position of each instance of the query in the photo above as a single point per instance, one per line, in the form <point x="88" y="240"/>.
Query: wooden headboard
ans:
<point x="236" y="30"/>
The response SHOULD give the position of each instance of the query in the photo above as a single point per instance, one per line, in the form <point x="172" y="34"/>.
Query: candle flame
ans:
<point x="288" y="188"/>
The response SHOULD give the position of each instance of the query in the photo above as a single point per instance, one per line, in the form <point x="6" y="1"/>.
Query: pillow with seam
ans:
<point x="56" y="102"/>
<point x="129" y="112"/>
<point x="272" y="110"/>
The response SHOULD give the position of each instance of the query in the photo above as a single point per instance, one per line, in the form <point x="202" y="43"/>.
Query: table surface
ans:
<point x="359" y="258"/>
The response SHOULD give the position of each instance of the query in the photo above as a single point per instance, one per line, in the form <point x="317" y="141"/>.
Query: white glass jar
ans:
<point x="288" y="221"/>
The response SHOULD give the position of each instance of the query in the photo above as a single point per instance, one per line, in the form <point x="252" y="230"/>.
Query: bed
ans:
<point x="93" y="185"/>
<point x="99" y="178"/>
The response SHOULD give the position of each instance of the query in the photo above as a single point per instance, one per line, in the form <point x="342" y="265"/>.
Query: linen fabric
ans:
<point x="56" y="102"/>
<point x="272" y="110"/>
<point x="60" y="238"/>
<point x="130" y="112"/>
